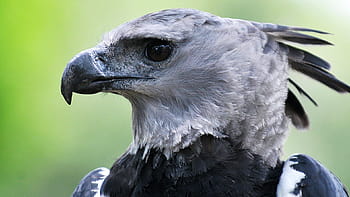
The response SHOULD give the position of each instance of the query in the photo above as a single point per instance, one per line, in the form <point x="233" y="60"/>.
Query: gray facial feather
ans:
<point x="225" y="78"/>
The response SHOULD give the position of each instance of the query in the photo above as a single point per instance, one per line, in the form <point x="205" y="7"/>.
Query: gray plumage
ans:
<point x="225" y="78"/>
<point x="202" y="91"/>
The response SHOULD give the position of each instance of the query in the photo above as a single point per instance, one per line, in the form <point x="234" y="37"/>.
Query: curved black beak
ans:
<point x="89" y="73"/>
<point x="79" y="76"/>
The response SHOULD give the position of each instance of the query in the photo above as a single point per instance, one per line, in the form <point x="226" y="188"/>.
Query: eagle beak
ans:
<point x="80" y="75"/>
<point x="90" y="73"/>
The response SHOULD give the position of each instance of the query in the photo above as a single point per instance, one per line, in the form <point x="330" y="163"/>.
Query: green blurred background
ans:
<point x="46" y="146"/>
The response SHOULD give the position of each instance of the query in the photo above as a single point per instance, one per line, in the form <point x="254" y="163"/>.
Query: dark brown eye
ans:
<point x="158" y="50"/>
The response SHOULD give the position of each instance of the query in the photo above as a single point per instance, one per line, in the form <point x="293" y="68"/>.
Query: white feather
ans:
<point x="289" y="179"/>
<point x="104" y="172"/>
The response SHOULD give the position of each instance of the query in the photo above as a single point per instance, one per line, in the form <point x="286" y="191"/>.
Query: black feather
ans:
<point x="306" y="29"/>
<point x="269" y="27"/>
<point x="299" y="55"/>
<point x="301" y="60"/>
<point x="286" y="33"/>
<point x="321" y="75"/>
<point x="304" y="62"/>
<point x="299" y="38"/>
<point x="296" y="112"/>
<point x="209" y="167"/>
<point x="302" y="92"/>
<point x="318" y="180"/>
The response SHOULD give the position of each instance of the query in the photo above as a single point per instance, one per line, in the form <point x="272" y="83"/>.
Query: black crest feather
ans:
<point x="303" y="62"/>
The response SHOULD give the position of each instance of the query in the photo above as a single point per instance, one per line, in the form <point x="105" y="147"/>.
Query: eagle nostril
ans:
<point x="100" y="58"/>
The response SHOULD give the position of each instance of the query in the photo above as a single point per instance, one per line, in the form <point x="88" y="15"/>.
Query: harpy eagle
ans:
<point x="210" y="107"/>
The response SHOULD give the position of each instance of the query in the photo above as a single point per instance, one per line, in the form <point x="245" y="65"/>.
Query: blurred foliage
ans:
<point x="46" y="146"/>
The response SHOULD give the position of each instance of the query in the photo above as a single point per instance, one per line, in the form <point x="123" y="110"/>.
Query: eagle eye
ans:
<point x="158" y="50"/>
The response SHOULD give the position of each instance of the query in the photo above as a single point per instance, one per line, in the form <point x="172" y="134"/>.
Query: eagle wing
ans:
<point x="303" y="176"/>
<point x="91" y="184"/>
